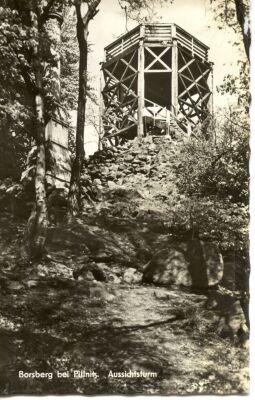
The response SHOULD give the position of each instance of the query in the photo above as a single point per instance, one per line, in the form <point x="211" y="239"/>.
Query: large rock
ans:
<point x="194" y="263"/>
<point x="232" y="322"/>
<point x="131" y="275"/>
<point x="168" y="266"/>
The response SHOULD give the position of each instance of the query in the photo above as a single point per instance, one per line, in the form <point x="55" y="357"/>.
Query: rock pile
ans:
<point x="144" y="165"/>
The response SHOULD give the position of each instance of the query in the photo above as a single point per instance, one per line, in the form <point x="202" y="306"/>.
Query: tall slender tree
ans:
<point x="82" y="31"/>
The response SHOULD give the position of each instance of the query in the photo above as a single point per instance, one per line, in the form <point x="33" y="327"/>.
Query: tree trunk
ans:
<point x="74" y="192"/>
<point x="35" y="235"/>
<point x="46" y="68"/>
<point x="244" y="25"/>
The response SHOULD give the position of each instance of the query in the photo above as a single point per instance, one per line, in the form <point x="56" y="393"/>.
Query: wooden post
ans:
<point x="174" y="82"/>
<point x="140" y="84"/>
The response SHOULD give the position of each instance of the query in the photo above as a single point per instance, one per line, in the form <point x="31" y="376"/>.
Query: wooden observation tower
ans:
<point x="156" y="80"/>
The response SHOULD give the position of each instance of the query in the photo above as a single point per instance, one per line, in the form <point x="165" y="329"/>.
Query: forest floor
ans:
<point x="50" y="322"/>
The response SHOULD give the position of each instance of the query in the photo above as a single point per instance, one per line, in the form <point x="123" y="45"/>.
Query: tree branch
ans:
<point x="92" y="11"/>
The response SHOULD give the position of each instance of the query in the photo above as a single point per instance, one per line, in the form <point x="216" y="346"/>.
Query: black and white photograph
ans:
<point x="124" y="197"/>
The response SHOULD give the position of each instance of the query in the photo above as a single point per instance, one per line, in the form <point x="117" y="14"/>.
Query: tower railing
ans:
<point x="156" y="33"/>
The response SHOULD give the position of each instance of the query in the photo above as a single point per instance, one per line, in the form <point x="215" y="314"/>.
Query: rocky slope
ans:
<point x="52" y="318"/>
<point x="118" y="289"/>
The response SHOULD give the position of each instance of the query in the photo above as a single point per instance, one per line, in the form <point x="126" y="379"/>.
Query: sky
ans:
<point x="195" y="16"/>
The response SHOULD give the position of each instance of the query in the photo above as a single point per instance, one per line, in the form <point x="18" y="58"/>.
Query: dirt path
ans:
<point x="99" y="327"/>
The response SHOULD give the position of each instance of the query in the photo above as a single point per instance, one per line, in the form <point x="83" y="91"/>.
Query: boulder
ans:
<point x="15" y="286"/>
<point x="131" y="275"/>
<point x="86" y="276"/>
<point x="168" y="266"/>
<point x="232" y="323"/>
<point x="236" y="272"/>
<point x="89" y="272"/>
<point x="97" y="290"/>
<point x="193" y="263"/>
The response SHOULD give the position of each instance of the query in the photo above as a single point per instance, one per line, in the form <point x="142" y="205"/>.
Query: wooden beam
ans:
<point x="158" y="58"/>
<point x="192" y="80"/>
<point x="140" y="84"/>
<point x="111" y="60"/>
<point x="128" y="64"/>
<point x="158" y="44"/>
<point x="158" y="71"/>
<point x="122" y="80"/>
<point x="193" y="84"/>
<point x="121" y="131"/>
<point x="196" y="58"/>
<point x="202" y="74"/>
<point x="186" y="65"/>
<point x="174" y="80"/>
<point x="122" y="84"/>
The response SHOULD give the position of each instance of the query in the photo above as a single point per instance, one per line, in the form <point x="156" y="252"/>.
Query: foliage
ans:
<point x="213" y="177"/>
<point x="32" y="35"/>
<point x="69" y="61"/>
<point x="235" y="14"/>
<point x="15" y="101"/>
<point x="13" y="152"/>
<point x="17" y="80"/>
<point x="238" y="86"/>
<point x="142" y="10"/>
